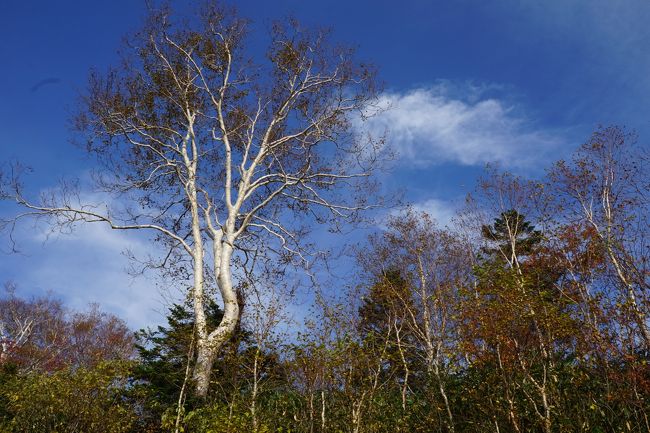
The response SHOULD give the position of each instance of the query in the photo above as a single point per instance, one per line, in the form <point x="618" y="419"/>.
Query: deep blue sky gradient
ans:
<point x="560" y="67"/>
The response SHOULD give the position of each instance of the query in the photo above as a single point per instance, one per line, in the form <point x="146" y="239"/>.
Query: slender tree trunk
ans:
<point x="205" y="354"/>
<point x="4" y="343"/>
<point x="443" y="393"/>
<point x="608" y="239"/>
<point x="181" y="398"/>
<point x="311" y="412"/>
<point x="322" y="411"/>
<point x="208" y="346"/>
<point x="253" y="407"/>
<point x="547" y="411"/>
<point x="356" y="413"/>
<point x="631" y="296"/>
<point x="511" y="404"/>
<point x="432" y="352"/>
<point x="203" y="369"/>
<point x="407" y="371"/>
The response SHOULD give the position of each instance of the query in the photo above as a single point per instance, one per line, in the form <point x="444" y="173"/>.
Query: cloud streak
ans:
<point x="442" y="211"/>
<point x="433" y="125"/>
<point x="88" y="266"/>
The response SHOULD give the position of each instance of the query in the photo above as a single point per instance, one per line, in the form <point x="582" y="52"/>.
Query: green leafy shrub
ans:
<point x="71" y="400"/>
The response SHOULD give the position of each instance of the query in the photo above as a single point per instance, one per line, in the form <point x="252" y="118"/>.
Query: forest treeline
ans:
<point x="527" y="314"/>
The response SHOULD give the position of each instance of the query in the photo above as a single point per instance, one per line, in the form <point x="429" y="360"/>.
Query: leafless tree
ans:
<point x="217" y="155"/>
<point x="432" y="265"/>
<point x="605" y="188"/>
<point x="265" y="313"/>
<point x="15" y="327"/>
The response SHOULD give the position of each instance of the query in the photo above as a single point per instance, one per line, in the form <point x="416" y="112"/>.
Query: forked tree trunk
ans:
<point x="208" y="344"/>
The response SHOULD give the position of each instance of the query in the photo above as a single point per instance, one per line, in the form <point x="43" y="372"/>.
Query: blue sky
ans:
<point x="516" y="82"/>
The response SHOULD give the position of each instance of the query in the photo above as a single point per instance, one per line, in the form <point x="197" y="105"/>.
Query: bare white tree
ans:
<point x="266" y="312"/>
<point x="604" y="188"/>
<point x="218" y="155"/>
<point x="418" y="270"/>
<point x="15" y="328"/>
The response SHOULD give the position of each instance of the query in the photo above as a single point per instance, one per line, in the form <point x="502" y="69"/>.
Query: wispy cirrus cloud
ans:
<point x="605" y="56"/>
<point x="451" y="124"/>
<point x="442" y="211"/>
<point x="87" y="265"/>
<point x="607" y="28"/>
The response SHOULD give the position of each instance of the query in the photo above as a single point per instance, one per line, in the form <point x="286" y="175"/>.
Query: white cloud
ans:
<point x="439" y="124"/>
<point x="441" y="211"/>
<point x="88" y="266"/>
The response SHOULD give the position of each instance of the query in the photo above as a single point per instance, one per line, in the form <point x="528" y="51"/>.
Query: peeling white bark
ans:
<point x="232" y="182"/>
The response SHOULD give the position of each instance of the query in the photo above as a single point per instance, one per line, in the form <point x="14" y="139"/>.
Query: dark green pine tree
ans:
<point x="511" y="224"/>
<point x="164" y="354"/>
<point x="385" y="294"/>
<point x="384" y="308"/>
<point x="537" y="260"/>
<point x="511" y="236"/>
